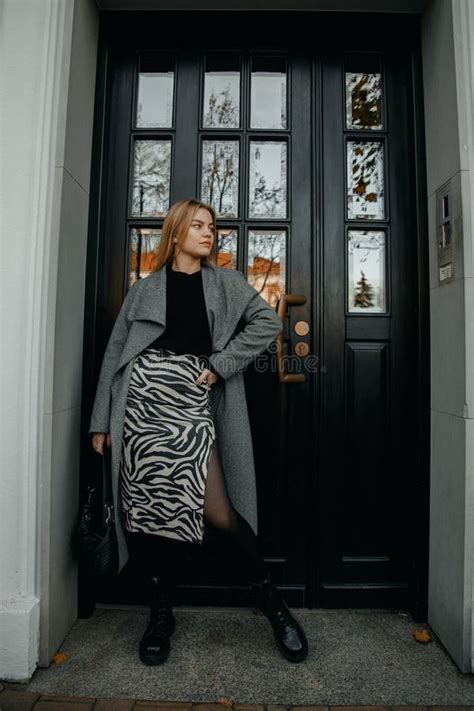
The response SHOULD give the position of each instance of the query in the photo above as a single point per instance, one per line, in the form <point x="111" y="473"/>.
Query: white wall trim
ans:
<point x="34" y="72"/>
<point x="447" y="45"/>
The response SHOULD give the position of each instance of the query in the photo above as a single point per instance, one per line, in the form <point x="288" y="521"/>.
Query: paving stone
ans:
<point x="58" y="703"/>
<point x="164" y="706"/>
<point x="70" y="704"/>
<point x="113" y="705"/>
<point x="74" y="699"/>
<point x="13" y="700"/>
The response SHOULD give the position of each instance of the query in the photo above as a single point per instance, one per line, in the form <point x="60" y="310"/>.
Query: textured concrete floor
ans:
<point x="355" y="657"/>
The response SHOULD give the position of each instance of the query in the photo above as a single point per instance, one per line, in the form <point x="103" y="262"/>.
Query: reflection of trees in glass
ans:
<point x="363" y="298"/>
<point x="367" y="257"/>
<point x="148" y="243"/>
<point x="363" y="100"/>
<point x="265" y="263"/>
<point x="143" y="244"/>
<point x="220" y="176"/>
<point x="283" y="102"/>
<point x="365" y="243"/>
<point x="267" y="200"/>
<point x="151" y="177"/>
<point x="365" y="179"/>
<point x="227" y="249"/>
<point x="222" y="109"/>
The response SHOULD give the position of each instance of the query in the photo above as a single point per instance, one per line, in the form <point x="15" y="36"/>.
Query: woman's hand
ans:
<point x="98" y="439"/>
<point x="208" y="376"/>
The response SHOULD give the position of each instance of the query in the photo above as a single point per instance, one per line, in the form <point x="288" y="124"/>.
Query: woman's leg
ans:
<point x="289" y="635"/>
<point x="219" y="511"/>
<point x="153" y="556"/>
<point x="149" y="555"/>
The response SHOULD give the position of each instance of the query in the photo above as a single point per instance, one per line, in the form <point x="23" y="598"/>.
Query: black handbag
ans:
<point x="94" y="540"/>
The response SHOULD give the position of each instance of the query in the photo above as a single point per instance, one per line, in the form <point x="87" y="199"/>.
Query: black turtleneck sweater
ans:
<point x="187" y="327"/>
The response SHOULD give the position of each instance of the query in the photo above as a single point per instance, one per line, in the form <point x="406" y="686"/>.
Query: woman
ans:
<point x="170" y="402"/>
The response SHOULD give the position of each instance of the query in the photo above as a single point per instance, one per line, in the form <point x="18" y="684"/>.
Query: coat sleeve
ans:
<point x="263" y="326"/>
<point x="100" y="417"/>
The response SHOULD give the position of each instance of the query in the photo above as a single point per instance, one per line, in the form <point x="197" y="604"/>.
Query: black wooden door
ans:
<point x="307" y="148"/>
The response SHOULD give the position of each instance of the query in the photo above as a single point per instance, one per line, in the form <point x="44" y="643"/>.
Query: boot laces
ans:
<point x="278" y="609"/>
<point x="283" y="618"/>
<point x="160" y="622"/>
<point x="160" y="608"/>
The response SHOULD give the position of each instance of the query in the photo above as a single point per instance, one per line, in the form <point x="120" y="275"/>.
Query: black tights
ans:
<point x="156" y="555"/>
<point x="220" y="513"/>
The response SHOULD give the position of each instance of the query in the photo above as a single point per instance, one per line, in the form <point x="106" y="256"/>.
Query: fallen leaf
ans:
<point x="59" y="657"/>
<point x="225" y="702"/>
<point x="422" y="635"/>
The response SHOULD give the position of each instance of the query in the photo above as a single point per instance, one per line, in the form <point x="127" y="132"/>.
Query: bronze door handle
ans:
<point x="285" y="301"/>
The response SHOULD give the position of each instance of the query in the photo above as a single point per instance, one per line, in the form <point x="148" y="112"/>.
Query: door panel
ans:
<point x="369" y="434"/>
<point x="307" y="151"/>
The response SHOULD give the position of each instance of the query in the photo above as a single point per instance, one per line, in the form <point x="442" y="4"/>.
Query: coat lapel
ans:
<point x="147" y="313"/>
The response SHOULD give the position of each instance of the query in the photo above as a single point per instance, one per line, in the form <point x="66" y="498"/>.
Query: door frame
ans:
<point x="329" y="30"/>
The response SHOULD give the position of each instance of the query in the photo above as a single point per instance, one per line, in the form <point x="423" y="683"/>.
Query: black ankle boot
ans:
<point x="155" y="645"/>
<point x="289" y="635"/>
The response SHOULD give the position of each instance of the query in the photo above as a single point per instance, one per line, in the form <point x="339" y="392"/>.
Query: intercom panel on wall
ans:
<point x="449" y="231"/>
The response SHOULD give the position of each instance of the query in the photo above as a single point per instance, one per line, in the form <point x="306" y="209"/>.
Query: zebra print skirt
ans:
<point x="166" y="445"/>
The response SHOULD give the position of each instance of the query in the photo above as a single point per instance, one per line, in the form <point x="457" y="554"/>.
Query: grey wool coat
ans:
<point x="142" y="318"/>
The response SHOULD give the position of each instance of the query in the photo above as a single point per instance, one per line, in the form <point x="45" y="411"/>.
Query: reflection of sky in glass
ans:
<point x="367" y="255"/>
<point x="268" y="100"/>
<point x="155" y="99"/>
<point x="267" y="188"/>
<point x="225" y="87"/>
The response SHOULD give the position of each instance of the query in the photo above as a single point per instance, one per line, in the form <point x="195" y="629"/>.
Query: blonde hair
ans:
<point x="176" y="224"/>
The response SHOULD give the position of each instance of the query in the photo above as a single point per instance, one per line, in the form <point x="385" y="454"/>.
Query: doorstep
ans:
<point x="226" y="658"/>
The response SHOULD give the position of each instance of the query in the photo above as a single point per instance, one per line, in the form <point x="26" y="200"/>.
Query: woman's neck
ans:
<point x="185" y="264"/>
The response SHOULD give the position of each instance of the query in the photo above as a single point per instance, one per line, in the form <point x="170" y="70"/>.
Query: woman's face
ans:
<point x="199" y="240"/>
